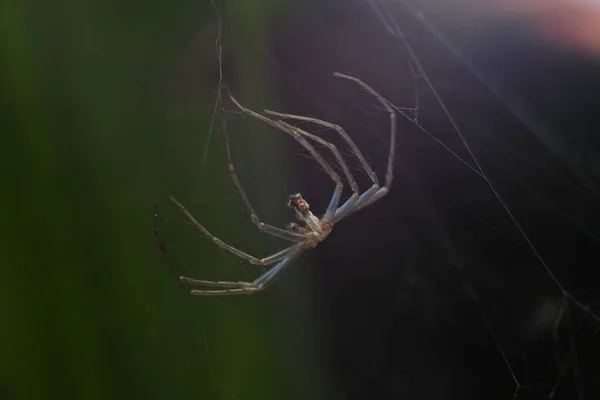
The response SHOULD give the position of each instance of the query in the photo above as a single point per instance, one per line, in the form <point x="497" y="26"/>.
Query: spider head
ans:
<point x="298" y="203"/>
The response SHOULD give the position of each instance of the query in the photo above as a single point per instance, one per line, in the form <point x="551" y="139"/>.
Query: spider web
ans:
<point x="573" y="323"/>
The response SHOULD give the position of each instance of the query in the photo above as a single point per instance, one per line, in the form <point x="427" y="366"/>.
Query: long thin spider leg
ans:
<point x="352" y="203"/>
<point x="339" y="185"/>
<point x="235" y="288"/>
<point x="270" y="229"/>
<point x="163" y="248"/>
<point x="251" y="259"/>
<point x="389" y="175"/>
<point x="348" y="208"/>
<point x="363" y="161"/>
<point x="328" y="216"/>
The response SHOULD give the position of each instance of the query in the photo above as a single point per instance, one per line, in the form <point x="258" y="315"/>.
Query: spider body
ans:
<point x="315" y="230"/>
<point x="312" y="230"/>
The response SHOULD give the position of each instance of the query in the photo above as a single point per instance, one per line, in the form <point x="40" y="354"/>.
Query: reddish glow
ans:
<point x="573" y="24"/>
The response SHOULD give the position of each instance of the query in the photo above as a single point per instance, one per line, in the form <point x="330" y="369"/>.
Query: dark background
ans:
<point x="433" y="292"/>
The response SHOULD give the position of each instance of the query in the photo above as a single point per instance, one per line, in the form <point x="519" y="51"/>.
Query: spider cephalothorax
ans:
<point x="311" y="230"/>
<point x="314" y="229"/>
<point x="297" y="202"/>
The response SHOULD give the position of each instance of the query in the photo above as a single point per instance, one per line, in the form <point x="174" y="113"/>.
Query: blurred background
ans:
<point x="432" y="292"/>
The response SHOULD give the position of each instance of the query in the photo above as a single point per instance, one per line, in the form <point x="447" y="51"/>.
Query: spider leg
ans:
<point x="363" y="161"/>
<point x="269" y="229"/>
<point x="349" y="207"/>
<point x="234" y="288"/>
<point x="251" y="259"/>
<point x="368" y="198"/>
<point x="328" y="216"/>
<point x="162" y="247"/>
<point x="293" y="132"/>
<point x="353" y="203"/>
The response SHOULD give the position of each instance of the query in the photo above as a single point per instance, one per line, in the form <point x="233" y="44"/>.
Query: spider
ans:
<point x="312" y="230"/>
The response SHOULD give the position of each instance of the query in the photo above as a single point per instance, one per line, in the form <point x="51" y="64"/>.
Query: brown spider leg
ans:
<point x="339" y="185"/>
<point x="288" y="255"/>
<point x="328" y="216"/>
<point x="375" y="192"/>
<point x="352" y="203"/>
<point x="270" y="229"/>
<point x="236" y="288"/>
<point x="251" y="259"/>
<point x="389" y="175"/>
<point x="363" y="161"/>
<point x="163" y="248"/>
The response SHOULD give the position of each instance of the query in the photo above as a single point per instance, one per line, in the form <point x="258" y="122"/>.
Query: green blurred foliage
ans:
<point x="92" y="133"/>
